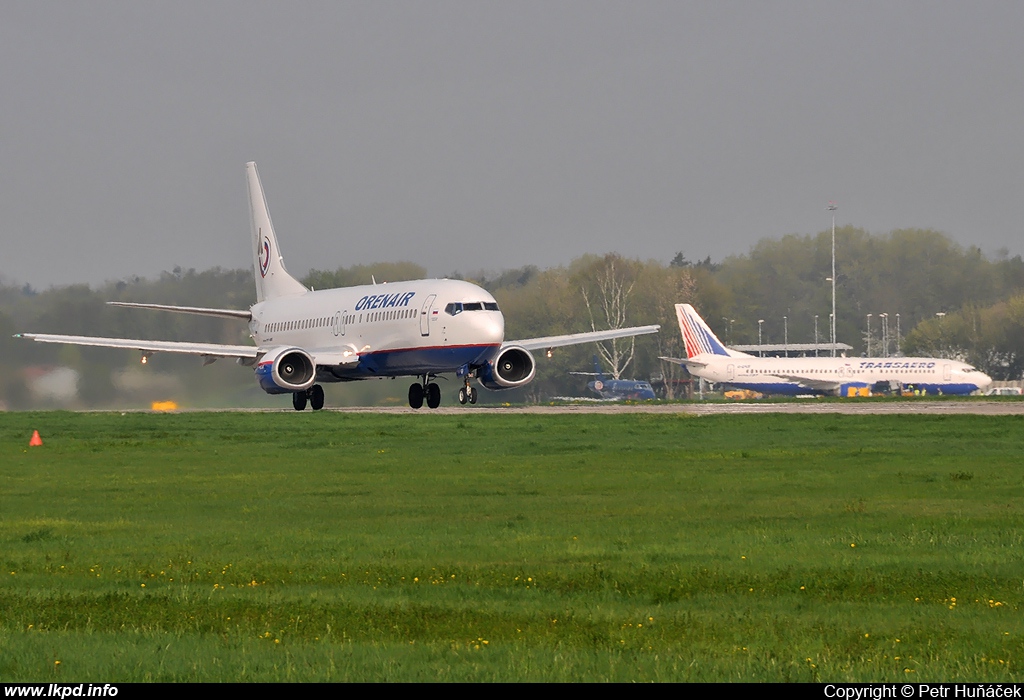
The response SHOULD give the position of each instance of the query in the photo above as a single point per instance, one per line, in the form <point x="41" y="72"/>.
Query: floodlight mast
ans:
<point x="832" y="208"/>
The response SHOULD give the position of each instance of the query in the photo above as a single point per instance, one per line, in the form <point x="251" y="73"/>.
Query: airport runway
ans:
<point x="946" y="407"/>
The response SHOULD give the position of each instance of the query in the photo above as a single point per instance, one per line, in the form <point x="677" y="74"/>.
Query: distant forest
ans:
<point x="941" y="299"/>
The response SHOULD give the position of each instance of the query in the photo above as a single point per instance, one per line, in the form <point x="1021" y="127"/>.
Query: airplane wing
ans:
<point x="198" y="310"/>
<point x="209" y="351"/>
<point x="204" y="349"/>
<point x="558" y="341"/>
<point x="684" y="361"/>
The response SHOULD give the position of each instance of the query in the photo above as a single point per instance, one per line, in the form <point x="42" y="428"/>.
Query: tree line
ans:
<point x="951" y="301"/>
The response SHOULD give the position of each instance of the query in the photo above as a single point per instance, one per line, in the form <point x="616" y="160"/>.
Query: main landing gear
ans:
<point x="467" y="393"/>
<point x="315" y="396"/>
<point x="427" y="390"/>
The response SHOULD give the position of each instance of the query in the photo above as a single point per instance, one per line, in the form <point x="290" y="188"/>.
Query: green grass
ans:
<point x="332" y="546"/>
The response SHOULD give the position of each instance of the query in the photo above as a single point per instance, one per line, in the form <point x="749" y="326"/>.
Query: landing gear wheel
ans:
<point x="299" y="400"/>
<point x="416" y="396"/>
<point x="472" y="394"/>
<point x="433" y="395"/>
<point x="316" y="397"/>
<point x="463" y="398"/>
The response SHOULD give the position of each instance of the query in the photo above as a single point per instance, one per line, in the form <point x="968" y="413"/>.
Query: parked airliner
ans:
<point x="708" y="358"/>
<point x="304" y="338"/>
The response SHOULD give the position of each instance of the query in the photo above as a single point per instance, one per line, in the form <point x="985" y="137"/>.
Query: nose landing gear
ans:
<point x="467" y="393"/>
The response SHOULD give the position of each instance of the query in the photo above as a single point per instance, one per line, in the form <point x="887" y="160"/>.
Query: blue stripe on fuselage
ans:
<point x="791" y="389"/>
<point x="784" y="388"/>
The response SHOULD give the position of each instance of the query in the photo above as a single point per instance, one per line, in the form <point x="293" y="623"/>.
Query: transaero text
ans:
<point x="896" y="365"/>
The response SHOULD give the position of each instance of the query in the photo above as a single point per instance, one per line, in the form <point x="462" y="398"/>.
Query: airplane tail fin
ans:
<point x="272" y="279"/>
<point x="697" y="337"/>
<point x="597" y="369"/>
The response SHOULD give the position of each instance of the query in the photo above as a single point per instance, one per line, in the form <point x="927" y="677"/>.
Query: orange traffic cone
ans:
<point x="36" y="441"/>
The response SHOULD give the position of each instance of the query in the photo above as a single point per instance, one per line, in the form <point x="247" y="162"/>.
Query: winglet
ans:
<point x="272" y="279"/>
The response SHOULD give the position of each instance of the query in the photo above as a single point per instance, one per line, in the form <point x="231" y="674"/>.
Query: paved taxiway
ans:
<point x="946" y="407"/>
<point x="710" y="408"/>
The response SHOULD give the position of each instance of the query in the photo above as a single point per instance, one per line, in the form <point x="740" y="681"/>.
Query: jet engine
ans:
<point x="513" y="367"/>
<point x="285" y="370"/>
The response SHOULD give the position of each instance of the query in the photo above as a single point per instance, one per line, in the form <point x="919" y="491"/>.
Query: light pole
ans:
<point x="885" y="334"/>
<point x="832" y="208"/>
<point x="830" y="317"/>
<point x="785" y="334"/>
<point x="815" y="335"/>
<point x="869" y="336"/>
<point x="941" y="315"/>
<point x="898" y="352"/>
<point x="760" y="352"/>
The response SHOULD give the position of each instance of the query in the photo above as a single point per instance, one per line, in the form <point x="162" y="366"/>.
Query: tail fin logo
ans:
<point x="697" y="337"/>
<point x="264" y="256"/>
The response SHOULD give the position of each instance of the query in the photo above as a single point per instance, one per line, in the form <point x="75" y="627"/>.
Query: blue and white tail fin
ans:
<point x="272" y="280"/>
<point x="697" y="337"/>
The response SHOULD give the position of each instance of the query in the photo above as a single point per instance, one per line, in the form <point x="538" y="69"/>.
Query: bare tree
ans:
<point x="612" y="288"/>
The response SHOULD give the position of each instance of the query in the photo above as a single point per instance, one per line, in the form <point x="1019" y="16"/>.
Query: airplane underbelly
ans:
<point x="421" y="360"/>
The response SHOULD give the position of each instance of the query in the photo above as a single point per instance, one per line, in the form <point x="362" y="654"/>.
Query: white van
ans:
<point x="1004" y="391"/>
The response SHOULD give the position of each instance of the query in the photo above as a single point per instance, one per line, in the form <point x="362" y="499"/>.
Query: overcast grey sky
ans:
<point x="486" y="135"/>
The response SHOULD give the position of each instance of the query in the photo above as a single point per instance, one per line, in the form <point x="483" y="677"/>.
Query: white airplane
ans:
<point x="708" y="358"/>
<point x="422" y="328"/>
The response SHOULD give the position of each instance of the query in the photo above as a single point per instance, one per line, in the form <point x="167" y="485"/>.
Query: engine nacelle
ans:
<point x="513" y="367"/>
<point x="285" y="370"/>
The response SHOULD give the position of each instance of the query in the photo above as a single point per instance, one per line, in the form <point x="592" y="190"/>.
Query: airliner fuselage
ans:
<point x="425" y="326"/>
<point x="792" y="376"/>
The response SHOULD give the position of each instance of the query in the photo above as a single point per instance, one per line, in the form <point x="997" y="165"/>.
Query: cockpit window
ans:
<point x="457" y="307"/>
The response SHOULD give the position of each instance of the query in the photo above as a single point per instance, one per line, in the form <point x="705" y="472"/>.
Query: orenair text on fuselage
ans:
<point x="384" y="301"/>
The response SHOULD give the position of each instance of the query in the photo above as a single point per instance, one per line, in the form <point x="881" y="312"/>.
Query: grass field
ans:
<point x="327" y="546"/>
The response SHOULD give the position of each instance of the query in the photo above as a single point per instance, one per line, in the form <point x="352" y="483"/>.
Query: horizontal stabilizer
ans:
<point x="557" y="341"/>
<point x="684" y="361"/>
<point x="197" y="310"/>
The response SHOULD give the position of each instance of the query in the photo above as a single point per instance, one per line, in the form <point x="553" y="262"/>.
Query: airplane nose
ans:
<point x="984" y="382"/>
<point x="496" y="329"/>
<point x="490" y="328"/>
